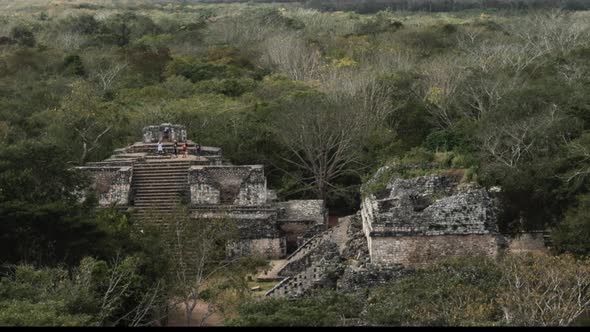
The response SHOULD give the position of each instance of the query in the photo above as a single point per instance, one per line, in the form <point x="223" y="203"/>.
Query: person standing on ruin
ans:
<point x="175" y="149"/>
<point x="160" y="148"/>
<point x="198" y="149"/>
<point x="184" y="150"/>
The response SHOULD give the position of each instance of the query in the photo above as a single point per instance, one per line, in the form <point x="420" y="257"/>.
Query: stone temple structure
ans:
<point x="410" y="223"/>
<point x="152" y="185"/>
<point x="417" y="221"/>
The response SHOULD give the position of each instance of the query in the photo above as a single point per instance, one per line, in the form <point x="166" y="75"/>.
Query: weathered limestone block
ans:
<point x="303" y="210"/>
<point x="253" y="188"/>
<point x="269" y="248"/>
<point x="300" y="220"/>
<point x="420" y="250"/>
<point x="228" y="184"/>
<point x="420" y="220"/>
<point x="111" y="183"/>
<point x="203" y="194"/>
<point x="320" y="271"/>
<point x="166" y="132"/>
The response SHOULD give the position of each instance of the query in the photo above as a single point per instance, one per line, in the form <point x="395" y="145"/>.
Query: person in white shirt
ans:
<point x="160" y="148"/>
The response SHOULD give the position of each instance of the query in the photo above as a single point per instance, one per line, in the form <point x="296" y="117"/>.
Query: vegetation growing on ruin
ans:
<point x="323" y="93"/>
<point x="522" y="290"/>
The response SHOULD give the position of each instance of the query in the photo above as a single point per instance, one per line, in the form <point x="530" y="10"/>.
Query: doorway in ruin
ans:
<point x="295" y="234"/>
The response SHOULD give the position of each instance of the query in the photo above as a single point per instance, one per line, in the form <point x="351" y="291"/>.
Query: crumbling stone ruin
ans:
<point x="152" y="186"/>
<point x="420" y="220"/>
<point x="409" y="224"/>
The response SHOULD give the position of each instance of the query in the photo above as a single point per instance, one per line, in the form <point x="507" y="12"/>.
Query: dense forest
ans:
<point x="323" y="93"/>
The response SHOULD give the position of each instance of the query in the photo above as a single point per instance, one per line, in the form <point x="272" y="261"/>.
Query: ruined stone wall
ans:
<point x="420" y="220"/>
<point x="295" y="233"/>
<point x="256" y="227"/>
<point x="311" y="272"/>
<point x="415" y="251"/>
<point x="112" y="184"/>
<point x="269" y="248"/>
<point x="203" y="193"/>
<point x="303" y="210"/>
<point x="527" y="242"/>
<point x="252" y="188"/>
<point x="231" y="185"/>
<point x="153" y="134"/>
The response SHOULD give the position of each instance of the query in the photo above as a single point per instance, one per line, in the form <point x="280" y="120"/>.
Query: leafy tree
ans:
<point x="322" y="138"/>
<point x="23" y="35"/>
<point x="85" y="24"/>
<point x="40" y="216"/>
<point x="93" y="294"/>
<point x="73" y="65"/>
<point x="84" y="120"/>
<point x="328" y="308"/>
<point x="199" y="264"/>
<point x="571" y="236"/>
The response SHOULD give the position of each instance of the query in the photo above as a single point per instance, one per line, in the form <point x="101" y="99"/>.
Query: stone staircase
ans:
<point x="306" y="267"/>
<point x="159" y="186"/>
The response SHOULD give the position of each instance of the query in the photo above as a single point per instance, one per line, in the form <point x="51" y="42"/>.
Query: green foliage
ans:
<point x="195" y="70"/>
<point x="85" y="24"/>
<point x="49" y="313"/>
<point x="571" y="236"/>
<point x="73" y="65"/>
<point x="23" y="36"/>
<point x="228" y="87"/>
<point x="40" y="217"/>
<point x="473" y="94"/>
<point x="455" y="292"/>
<point x="148" y="63"/>
<point x="328" y="308"/>
<point x="96" y="293"/>
<point x="381" y="22"/>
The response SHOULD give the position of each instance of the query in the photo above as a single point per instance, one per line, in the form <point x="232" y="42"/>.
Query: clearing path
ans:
<point x="177" y="316"/>
<point x="272" y="275"/>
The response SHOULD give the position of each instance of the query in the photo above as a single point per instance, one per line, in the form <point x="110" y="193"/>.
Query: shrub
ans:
<point x="23" y="36"/>
<point x="457" y="291"/>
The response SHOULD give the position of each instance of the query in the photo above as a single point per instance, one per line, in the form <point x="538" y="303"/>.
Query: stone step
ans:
<point x="160" y="171"/>
<point x="155" y="191"/>
<point x="168" y="165"/>
<point x="152" y="206"/>
<point x="156" y="202"/>
<point x="154" y="199"/>
<point x="152" y="212"/>
<point x="147" y="203"/>
<point x="152" y="196"/>
<point x="161" y="176"/>
<point x="158" y="166"/>
<point x="157" y="198"/>
<point x="160" y="189"/>
<point x="159" y="182"/>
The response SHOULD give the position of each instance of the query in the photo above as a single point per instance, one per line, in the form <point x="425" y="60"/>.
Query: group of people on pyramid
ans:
<point x="184" y="149"/>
